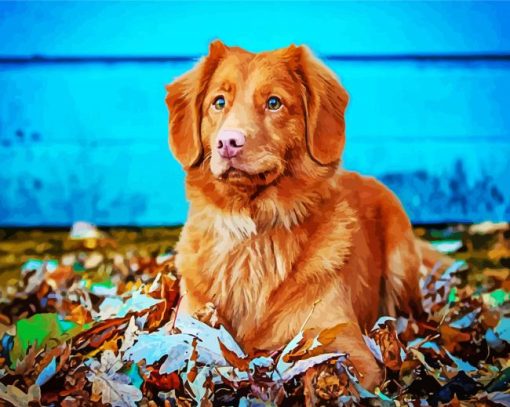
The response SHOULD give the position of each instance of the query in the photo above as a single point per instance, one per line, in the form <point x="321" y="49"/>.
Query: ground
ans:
<point x="87" y="317"/>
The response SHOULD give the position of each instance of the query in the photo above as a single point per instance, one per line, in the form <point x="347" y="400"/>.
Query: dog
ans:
<point x="276" y="228"/>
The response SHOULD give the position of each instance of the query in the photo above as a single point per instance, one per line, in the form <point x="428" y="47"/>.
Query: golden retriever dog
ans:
<point x="275" y="227"/>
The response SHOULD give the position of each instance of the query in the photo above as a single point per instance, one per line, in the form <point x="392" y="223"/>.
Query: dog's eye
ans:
<point x="219" y="103"/>
<point x="274" y="103"/>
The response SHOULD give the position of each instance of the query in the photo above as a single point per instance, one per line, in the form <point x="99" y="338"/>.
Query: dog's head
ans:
<point x="254" y="118"/>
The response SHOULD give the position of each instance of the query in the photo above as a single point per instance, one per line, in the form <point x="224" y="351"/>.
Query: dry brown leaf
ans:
<point x="453" y="338"/>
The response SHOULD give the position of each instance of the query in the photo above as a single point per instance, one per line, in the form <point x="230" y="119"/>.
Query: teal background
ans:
<point x="83" y="125"/>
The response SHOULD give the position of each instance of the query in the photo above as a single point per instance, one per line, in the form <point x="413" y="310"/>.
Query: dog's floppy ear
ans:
<point x="184" y="101"/>
<point x="325" y="101"/>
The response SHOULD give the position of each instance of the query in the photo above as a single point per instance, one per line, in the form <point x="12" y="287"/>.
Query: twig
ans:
<point x="309" y="315"/>
<point x="177" y="309"/>
<point x="424" y="340"/>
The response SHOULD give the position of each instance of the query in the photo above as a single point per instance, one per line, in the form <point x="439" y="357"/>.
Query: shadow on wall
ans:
<point x="450" y="197"/>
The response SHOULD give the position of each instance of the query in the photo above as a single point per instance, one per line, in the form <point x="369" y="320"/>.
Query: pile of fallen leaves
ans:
<point x="93" y="322"/>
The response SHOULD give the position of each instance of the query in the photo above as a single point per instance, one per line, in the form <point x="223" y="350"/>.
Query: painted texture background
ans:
<point x="83" y="125"/>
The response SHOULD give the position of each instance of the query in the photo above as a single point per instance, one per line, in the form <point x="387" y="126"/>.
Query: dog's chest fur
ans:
<point x="247" y="266"/>
<point x="239" y="266"/>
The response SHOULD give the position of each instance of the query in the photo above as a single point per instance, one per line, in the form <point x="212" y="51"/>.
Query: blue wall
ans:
<point x="83" y="130"/>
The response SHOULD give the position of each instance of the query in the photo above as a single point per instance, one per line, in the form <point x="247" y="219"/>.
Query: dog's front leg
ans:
<point x="350" y="341"/>
<point x="300" y="313"/>
<point x="197" y="306"/>
<point x="190" y="303"/>
<point x="360" y="363"/>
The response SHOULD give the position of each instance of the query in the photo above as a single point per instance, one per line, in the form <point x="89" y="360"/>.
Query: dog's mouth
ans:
<point x="239" y="177"/>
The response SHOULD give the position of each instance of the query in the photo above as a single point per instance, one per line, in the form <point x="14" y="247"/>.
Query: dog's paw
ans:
<point x="208" y="315"/>
<point x="323" y="385"/>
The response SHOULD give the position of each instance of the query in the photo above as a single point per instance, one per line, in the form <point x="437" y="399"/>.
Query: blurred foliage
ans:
<point x="17" y="246"/>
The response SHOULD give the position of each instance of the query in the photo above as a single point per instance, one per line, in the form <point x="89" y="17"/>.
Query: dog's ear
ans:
<point x="184" y="101"/>
<point x="325" y="101"/>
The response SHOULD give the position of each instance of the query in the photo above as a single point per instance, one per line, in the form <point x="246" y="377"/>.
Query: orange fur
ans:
<point x="280" y="227"/>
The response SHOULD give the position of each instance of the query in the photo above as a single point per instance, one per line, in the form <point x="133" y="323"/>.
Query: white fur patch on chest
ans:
<point x="234" y="226"/>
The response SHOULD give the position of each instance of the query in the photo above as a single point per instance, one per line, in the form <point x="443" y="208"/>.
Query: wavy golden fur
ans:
<point x="279" y="227"/>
